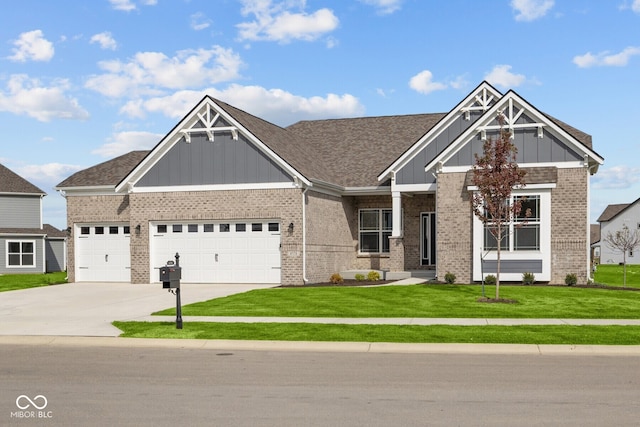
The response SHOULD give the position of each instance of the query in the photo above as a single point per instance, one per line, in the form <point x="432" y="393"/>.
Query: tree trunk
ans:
<point x="498" y="262"/>
<point x="624" y="268"/>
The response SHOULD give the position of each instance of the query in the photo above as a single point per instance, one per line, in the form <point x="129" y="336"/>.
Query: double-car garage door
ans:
<point x="210" y="252"/>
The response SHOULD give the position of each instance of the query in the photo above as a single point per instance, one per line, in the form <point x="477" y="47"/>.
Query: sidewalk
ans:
<point x="395" y="321"/>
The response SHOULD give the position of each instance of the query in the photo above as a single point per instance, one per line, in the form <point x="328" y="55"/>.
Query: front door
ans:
<point x="428" y="238"/>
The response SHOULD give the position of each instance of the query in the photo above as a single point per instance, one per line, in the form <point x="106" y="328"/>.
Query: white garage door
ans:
<point x="102" y="253"/>
<point x="218" y="252"/>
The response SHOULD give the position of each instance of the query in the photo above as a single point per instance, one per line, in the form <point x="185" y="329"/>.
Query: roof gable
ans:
<point x="105" y="174"/>
<point x="518" y="115"/>
<point x="612" y="211"/>
<point x="212" y="118"/>
<point x="11" y="182"/>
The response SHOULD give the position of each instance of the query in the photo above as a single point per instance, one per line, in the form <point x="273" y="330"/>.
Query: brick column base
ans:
<point x="396" y="253"/>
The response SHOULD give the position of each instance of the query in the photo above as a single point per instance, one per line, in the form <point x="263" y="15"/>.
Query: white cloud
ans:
<point x="32" y="46"/>
<point x="530" y="10"/>
<point x="636" y="6"/>
<point x="149" y="73"/>
<point x="275" y="105"/>
<point x="502" y="76"/>
<point x="129" y="5"/>
<point x="616" y="177"/>
<point x="384" y="7"/>
<point x="124" y="142"/>
<point x="27" y="96"/>
<point x="47" y="173"/>
<point x="274" y="22"/>
<point x="105" y="40"/>
<point x="423" y="83"/>
<point x="199" y="21"/>
<point x="606" y="59"/>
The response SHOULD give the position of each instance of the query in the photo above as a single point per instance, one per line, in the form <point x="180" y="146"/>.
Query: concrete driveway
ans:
<point x="87" y="309"/>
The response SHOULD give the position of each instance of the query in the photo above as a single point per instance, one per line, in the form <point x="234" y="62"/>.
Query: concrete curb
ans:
<point x="328" y="347"/>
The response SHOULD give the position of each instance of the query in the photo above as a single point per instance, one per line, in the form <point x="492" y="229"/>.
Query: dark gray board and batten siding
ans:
<point x="218" y="162"/>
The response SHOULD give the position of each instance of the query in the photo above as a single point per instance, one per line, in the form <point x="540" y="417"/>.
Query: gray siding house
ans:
<point x="613" y="219"/>
<point x="245" y="201"/>
<point x="26" y="244"/>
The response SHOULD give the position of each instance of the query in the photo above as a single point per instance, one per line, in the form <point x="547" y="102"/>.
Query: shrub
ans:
<point x="336" y="279"/>
<point x="359" y="277"/>
<point x="373" y="275"/>
<point x="528" y="278"/>
<point x="450" y="278"/>
<point x="570" y="279"/>
<point x="490" y="280"/>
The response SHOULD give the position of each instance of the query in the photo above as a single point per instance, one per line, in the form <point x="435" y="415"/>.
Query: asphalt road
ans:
<point x="140" y="386"/>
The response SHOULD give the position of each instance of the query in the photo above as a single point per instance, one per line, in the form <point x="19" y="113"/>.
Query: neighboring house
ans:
<point x="595" y="245"/>
<point x="613" y="219"/>
<point x="26" y="244"/>
<point x="243" y="200"/>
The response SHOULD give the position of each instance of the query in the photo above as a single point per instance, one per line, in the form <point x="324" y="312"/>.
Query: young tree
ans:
<point x="623" y="241"/>
<point x="496" y="174"/>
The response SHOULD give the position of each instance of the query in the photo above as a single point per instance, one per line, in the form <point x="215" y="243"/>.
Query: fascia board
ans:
<point x="408" y="155"/>
<point x="490" y="114"/>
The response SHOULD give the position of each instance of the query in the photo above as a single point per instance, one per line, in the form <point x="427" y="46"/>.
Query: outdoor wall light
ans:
<point x="138" y="229"/>
<point x="290" y="227"/>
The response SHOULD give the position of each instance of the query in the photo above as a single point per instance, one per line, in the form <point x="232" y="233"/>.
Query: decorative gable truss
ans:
<point x="209" y="121"/>
<point x="203" y="166"/>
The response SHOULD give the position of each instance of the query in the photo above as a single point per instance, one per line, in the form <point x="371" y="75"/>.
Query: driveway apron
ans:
<point x="87" y="309"/>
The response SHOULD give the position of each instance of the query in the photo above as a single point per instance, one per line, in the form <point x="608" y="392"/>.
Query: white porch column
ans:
<point x="396" y="205"/>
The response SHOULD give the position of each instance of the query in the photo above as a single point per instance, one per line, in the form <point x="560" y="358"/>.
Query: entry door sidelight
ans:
<point x="428" y="238"/>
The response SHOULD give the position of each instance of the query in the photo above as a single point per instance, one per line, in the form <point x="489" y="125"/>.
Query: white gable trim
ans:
<point x="479" y="99"/>
<point x="509" y="101"/>
<point x="201" y="113"/>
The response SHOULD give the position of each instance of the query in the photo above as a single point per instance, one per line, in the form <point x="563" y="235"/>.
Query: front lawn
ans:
<point x="611" y="275"/>
<point x="525" y="334"/>
<point x="12" y="282"/>
<point x="449" y="301"/>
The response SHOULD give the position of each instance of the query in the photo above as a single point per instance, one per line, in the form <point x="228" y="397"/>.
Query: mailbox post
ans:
<point x="170" y="276"/>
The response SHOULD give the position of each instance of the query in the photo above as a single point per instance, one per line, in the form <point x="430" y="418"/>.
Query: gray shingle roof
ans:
<point x="611" y="211"/>
<point x="11" y="182"/>
<point x="107" y="173"/>
<point x="594" y="233"/>
<point x="46" y="230"/>
<point x="354" y="152"/>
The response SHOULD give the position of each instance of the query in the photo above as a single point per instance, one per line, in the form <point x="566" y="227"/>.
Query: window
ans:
<point x="126" y="229"/>
<point x="241" y="228"/>
<point x="375" y="228"/>
<point x="256" y="227"/>
<point x="192" y="228"/>
<point x="274" y="226"/>
<point x="84" y="230"/>
<point x="113" y="230"/>
<point x="523" y="234"/>
<point x="99" y="230"/>
<point x="224" y="228"/>
<point x="177" y="228"/>
<point x="162" y="228"/>
<point x="21" y="253"/>
<point x="208" y="228"/>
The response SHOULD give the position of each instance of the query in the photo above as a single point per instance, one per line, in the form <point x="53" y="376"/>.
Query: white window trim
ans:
<point x="380" y="230"/>
<point x="544" y="254"/>
<point x="21" y="241"/>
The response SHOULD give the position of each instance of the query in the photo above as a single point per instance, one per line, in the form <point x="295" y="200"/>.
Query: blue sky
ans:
<point x="84" y="81"/>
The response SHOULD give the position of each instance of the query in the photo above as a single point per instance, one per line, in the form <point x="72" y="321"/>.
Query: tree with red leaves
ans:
<point x="495" y="174"/>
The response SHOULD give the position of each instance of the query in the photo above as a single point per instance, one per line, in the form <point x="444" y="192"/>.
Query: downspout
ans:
<point x="304" y="235"/>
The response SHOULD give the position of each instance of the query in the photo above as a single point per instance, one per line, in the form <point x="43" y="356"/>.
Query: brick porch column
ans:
<point x="396" y="253"/>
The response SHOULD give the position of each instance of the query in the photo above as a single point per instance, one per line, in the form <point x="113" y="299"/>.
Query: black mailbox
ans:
<point x="170" y="276"/>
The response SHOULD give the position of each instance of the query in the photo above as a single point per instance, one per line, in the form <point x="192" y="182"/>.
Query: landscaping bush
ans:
<point x="359" y="277"/>
<point x="570" y="279"/>
<point x="336" y="279"/>
<point x="450" y="278"/>
<point x="373" y="275"/>
<point x="490" y="280"/>
<point x="528" y="278"/>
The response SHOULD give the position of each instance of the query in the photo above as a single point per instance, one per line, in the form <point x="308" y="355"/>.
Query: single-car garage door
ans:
<point x="102" y="253"/>
<point x="218" y="252"/>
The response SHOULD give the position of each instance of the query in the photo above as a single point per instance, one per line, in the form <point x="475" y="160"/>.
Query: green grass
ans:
<point x="611" y="274"/>
<point x="12" y="282"/>
<point x="577" y="335"/>
<point x="448" y="301"/>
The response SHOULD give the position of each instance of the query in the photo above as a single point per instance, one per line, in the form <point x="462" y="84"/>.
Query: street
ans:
<point x="93" y="385"/>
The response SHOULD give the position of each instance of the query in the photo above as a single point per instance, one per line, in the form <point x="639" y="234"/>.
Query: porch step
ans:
<point x="392" y="275"/>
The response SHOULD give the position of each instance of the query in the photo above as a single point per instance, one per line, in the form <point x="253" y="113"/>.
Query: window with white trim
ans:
<point x="21" y="253"/>
<point x="374" y="229"/>
<point x="523" y="233"/>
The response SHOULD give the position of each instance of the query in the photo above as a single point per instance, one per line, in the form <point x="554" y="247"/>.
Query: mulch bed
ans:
<point x="345" y="283"/>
